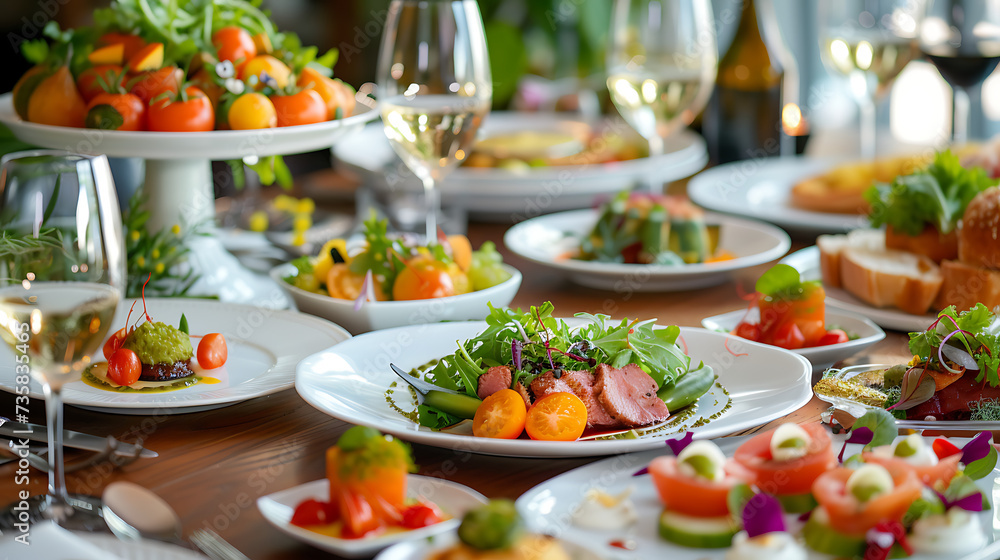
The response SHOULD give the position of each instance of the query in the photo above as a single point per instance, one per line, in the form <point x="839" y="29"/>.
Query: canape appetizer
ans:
<point x="495" y="531"/>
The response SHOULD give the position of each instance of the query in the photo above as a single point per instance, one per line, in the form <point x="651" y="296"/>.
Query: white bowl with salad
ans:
<point x="381" y="280"/>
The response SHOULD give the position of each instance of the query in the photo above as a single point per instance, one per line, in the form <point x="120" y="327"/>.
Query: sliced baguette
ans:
<point x="831" y="247"/>
<point x="964" y="285"/>
<point x="886" y="278"/>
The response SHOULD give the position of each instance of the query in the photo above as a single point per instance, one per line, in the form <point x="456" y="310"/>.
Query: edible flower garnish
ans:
<point x="875" y="428"/>
<point x="761" y="515"/>
<point x="676" y="445"/>
<point x="861" y="435"/>
<point x="882" y="537"/>
<point x="979" y="456"/>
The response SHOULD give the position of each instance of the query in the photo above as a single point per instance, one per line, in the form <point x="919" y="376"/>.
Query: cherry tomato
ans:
<point x="423" y="278"/>
<point x="250" y="111"/>
<point x="421" y="515"/>
<point x="114" y="343"/>
<point x="194" y="115"/>
<point x="151" y="84"/>
<point x="90" y="86"/>
<point x="275" y="69"/>
<point x="557" y="417"/>
<point x="749" y="331"/>
<point x="944" y="448"/>
<point x="335" y="93"/>
<point x="132" y="42"/>
<point x="212" y="351"/>
<point x="833" y="336"/>
<point x="501" y="415"/>
<point x="116" y="111"/>
<point x="314" y="512"/>
<point x="788" y="336"/>
<point x="304" y="107"/>
<point x="234" y="44"/>
<point x="124" y="367"/>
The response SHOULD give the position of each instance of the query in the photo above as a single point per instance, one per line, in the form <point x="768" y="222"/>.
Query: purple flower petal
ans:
<point x="972" y="502"/>
<point x="862" y="435"/>
<point x="978" y="448"/>
<point x="762" y="515"/>
<point x="642" y="471"/>
<point x="678" y="444"/>
<point x="515" y="350"/>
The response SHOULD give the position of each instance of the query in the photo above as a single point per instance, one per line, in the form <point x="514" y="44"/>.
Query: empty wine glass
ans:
<point x="434" y="88"/>
<point x="62" y="275"/>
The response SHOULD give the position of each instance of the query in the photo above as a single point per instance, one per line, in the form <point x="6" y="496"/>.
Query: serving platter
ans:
<point x="352" y="381"/>
<point x="264" y="347"/>
<point x="548" y="240"/>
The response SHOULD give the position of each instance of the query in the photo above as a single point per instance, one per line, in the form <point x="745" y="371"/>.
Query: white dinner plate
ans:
<point x="49" y="541"/>
<point x="546" y="240"/>
<point x="508" y="196"/>
<point x="806" y="261"/>
<point x="264" y="347"/>
<point x="451" y="498"/>
<point x="422" y="550"/>
<point x="760" y="188"/>
<point x="821" y="357"/>
<point x="548" y="506"/>
<point x="351" y="380"/>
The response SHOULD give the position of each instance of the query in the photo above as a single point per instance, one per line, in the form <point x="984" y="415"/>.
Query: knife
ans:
<point x="76" y="440"/>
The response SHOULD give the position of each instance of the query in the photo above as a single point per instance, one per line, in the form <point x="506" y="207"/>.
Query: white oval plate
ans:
<point x="806" y="261"/>
<point x="264" y="347"/>
<point x="50" y="541"/>
<point x="350" y="382"/>
<point x="453" y="499"/>
<point x="417" y="550"/>
<point x="547" y="507"/>
<point x="378" y="315"/>
<point x="547" y="239"/>
<point x="821" y="357"/>
<point x="511" y="196"/>
<point x="760" y="189"/>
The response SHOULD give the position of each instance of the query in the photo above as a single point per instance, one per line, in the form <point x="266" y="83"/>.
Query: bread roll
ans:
<point x="832" y="246"/>
<point x="979" y="234"/>
<point x="964" y="285"/>
<point x="886" y="278"/>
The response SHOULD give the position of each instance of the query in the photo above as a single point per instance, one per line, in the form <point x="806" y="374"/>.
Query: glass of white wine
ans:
<point x="434" y="88"/>
<point x="62" y="274"/>
<point x="870" y="42"/>
<point x="661" y="62"/>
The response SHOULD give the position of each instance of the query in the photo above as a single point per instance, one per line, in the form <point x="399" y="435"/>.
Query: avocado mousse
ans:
<point x="164" y="351"/>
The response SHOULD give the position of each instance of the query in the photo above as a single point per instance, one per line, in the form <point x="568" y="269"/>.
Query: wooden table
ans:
<point x="212" y="466"/>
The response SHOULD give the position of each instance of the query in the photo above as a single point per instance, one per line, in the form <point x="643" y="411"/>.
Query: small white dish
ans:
<point x="821" y="357"/>
<point x="453" y="499"/>
<point x="379" y="315"/>
<point x="422" y="550"/>
<point x="546" y="240"/>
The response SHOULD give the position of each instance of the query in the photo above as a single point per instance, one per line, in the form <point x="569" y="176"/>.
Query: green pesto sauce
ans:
<point x="90" y="379"/>
<point x="159" y="343"/>
<point x="390" y="400"/>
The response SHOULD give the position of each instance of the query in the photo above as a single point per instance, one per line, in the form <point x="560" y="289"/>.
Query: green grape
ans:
<point x="486" y="270"/>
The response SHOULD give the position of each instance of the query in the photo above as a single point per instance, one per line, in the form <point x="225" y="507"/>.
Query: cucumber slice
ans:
<point x="689" y="239"/>
<point x="462" y="406"/>
<point x="821" y="538"/>
<point x="797" y="503"/>
<point x="698" y="532"/>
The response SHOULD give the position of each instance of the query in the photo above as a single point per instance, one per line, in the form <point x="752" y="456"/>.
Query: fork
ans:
<point x="214" y="546"/>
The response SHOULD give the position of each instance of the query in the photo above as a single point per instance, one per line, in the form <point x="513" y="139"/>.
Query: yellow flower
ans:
<point x="159" y="268"/>
<point x="258" y="221"/>
<point x="141" y="261"/>
<point x="284" y="202"/>
<point x="134" y="234"/>
<point x="176" y="229"/>
<point x="305" y="206"/>
<point x="299" y="240"/>
<point x="301" y="223"/>
<point x="156" y="253"/>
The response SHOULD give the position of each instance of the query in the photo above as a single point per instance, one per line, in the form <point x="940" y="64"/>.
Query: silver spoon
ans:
<point x="133" y="512"/>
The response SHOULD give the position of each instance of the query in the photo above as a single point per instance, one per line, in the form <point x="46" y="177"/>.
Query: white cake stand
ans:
<point x="179" y="185"/>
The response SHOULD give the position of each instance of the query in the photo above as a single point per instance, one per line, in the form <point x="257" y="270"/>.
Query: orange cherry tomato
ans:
<point x="194" y="115"/>
<point x="423" y="278"/>
<point x="690" y="495"/>
<point x="116" y="111"/>
<point x="252" y="111"/>
<point x="855" y="518"/>
<point x="114" y="343"/>
<point x="56" y="101"/>
<point x="501" y="415"/>
<point x="304" y="107"/>
<point x="148" y="85"/>
<point x="335" y="93"/>
<point x="940" y="473"/>
<point x="275" y="69"/>
<point x="212" y="351"/>
<point x="124" y="367"/>
<point x="783" y="478"/>
<point x="90" y="86"/>
<point x="557" y="417"/>
<point x="234" y="44"/>
<point x="133" y="43"/>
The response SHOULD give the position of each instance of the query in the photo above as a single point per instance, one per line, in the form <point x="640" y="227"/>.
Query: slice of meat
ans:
<point x="581" y="384"/>
<point x="166" y="372"/>
<point x="629" y="395"/>
<point x="495" y="379"/>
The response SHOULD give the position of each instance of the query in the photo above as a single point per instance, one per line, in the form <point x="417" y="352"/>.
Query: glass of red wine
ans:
<point x="962" y="39"/>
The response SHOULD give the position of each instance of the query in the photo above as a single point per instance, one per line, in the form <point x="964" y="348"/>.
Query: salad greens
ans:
<point x="970" y="339"/>
<point x="935" y="196"/>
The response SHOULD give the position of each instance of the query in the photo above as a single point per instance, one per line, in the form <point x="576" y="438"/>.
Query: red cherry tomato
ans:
<point x="749" y="331"/>
<point x="212" y="351"/>
<point x="833" y="336"/>
<point x="124" y="367"/>
<point x="420" y="515"/>
<point x="148" y="85"/>
<point x="789" y="336"/>
<point x="304" y="107"/>
<point x="944" y="448"/>
<point x="114" y="343"/>
<point x="194" y="115"/>
<point x="234" y="44"/>
<point x="116" y="111"/>
<point x="88" y="83"/>
<point x="314" y="512"/>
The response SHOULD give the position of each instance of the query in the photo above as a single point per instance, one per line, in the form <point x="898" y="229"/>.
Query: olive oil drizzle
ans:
<point x="92" y="380"/>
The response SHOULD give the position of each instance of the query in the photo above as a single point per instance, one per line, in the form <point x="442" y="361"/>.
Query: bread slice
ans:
<point x="886" y="278"/>
<point x="964" y="285"/>
<point x="831" y="247"/>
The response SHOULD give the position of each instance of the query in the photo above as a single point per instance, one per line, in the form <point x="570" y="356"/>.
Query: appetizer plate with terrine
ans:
<point x="264" y="345"/>
<point x="552" y="240"/>
<point x="352" y="381"/>
<point x="806" y="261"/>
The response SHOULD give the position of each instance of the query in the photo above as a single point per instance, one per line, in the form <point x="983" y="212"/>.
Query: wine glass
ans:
<point x="961" y="39"/>
<point x="870" y="42"/>
<point x="434" y="87"/>
<point x="62" y="275"/>
<point x="661" y="61"/>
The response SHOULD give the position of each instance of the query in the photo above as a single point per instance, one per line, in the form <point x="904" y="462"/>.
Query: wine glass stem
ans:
<point x="869" y="122"/>
<point x="53" y="416"/>
<point x="960" y="117"/>
<point x="431" y="205"/>
<point x="656" y="149"/>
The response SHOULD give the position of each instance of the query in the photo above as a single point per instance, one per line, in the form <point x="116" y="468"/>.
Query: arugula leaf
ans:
<point x="984" y="344"/>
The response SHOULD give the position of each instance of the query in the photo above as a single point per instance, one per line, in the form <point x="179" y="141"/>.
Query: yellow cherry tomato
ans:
<point x="266" y="63"/>
<point x="252" y="111"/>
